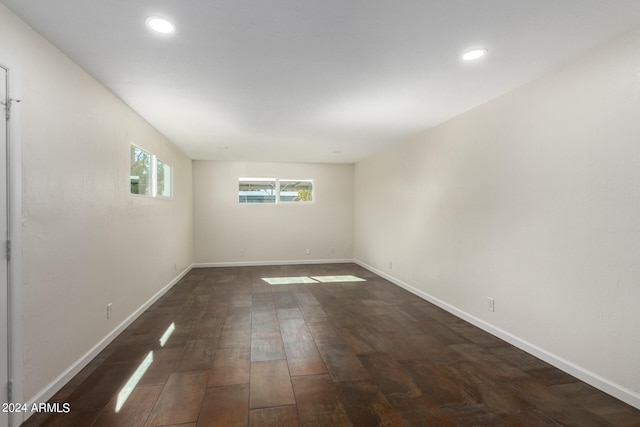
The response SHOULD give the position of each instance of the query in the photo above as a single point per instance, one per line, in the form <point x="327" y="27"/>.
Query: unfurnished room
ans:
<point x="320" y="213"/>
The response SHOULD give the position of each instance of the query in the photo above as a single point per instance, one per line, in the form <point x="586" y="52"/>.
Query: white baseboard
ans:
<point x="597" y="381"/>
<point x="266" y="263"/>
<point x="52" y="388"/>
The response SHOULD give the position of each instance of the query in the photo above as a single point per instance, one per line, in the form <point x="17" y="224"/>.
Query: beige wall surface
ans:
<point x="86" y="241"/>
<point x="227" y="232"/>
<point x="532" y="199"/>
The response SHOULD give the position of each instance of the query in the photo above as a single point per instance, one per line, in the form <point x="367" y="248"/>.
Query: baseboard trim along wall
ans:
<point x="46" y="393"/>
<point x="263" y="263"/>
<point x="601" y="383"/>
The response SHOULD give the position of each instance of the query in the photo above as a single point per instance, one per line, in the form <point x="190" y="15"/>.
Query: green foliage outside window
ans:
<point x="140" y="171"/>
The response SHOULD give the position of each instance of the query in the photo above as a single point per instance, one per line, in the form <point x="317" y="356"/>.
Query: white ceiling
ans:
<point x="317" y="80"/>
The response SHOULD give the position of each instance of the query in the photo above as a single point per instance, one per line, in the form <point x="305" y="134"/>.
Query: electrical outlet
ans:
<point x="241" y="252"/>
<point x="308" y="251"/>
<point x="491" y="304"/>
<point x="109" y="310"/>
<point x="390" y="265"/>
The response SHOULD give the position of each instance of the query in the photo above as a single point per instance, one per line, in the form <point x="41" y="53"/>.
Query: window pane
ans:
<point x="256" y="191"/>
<point x="164" y="179"/>
<point x="140" y="171"/>
<point x="296" y="191"/>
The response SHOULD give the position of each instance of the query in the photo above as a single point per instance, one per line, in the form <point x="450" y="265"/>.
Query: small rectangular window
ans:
<point x="257" y="190"/>
<point x="296" y="190"/>
<point x="164" y="179"/>
<point x="140" y="171"/>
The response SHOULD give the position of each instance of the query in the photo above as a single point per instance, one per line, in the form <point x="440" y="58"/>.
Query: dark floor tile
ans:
<point x="179" y="337"/>
<point x="208" y="328"/>
<point x="528" y="419"/>
<point x="180" y="399"/>
<point x="270" y="384"/>
<point x="601" y="404"/>
<point x="129" y="411"/>
<point x="157" y="373"/>
<point x="99" y="387"/>
<point x="497" y="395"/>
<point x="556" y="407"/>
<point x="267" y="346"/>
<point x="304" y="358"/>
<point x="516" y="357"/>
<point x="313" y="313"/>
<point x="390" y="376"/>
<point x="490" y="364"/>
<point x="366" y="405"/>
<point x="325" y="334"/>
<point x="343" y="364"/>
<point x="239" y="315"/>
<point x="134" y="349"/>
<point x="477" y="335"/>
<point x="265" y="322"/>
<point x="230" y="366"/>
<point x="289" y="314"/>
<point x="301" y="352"/>
<point x="473" y="415"/>
<point x="436" y="384"/>
<point x="366" y="353"/>
<point x="284" y="300"/>
<point x="198" y="355"/>
<point x="235" y="337"/>
<point x="362" y="341"/>
<point x="225" y="407"/>
<point x="318" y="402"/>
<point x="281" y="416"/>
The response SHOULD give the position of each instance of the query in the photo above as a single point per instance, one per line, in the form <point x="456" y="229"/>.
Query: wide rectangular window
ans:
<point x="164" y="179"/>
<point x="273" y="190"/>
<point x="257" y="190"/>
<point x="140" y="171"/>
<point x="296" y="190"/>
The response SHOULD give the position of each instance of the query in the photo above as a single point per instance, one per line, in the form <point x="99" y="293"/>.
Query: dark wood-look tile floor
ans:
<point x="224" y="348"/>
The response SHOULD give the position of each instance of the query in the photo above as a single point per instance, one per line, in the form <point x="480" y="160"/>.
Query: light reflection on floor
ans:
<point x="313" y="279"/>
<point x="133" y="381"/>
<point x="124" y="394"/>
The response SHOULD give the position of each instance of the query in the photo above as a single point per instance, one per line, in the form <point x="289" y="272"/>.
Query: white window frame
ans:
<point x="313" y="198"/>
<point x="151" y="166"/>
<point x="277" y="199"/>
<point x="153" y="178"/>
<point x="248" y="179"/>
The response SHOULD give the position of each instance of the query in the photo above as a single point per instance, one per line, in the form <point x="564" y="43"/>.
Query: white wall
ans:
<point x="86" y="241"/>
<point x="532" y="199"/>
<point x="271" y="233"/>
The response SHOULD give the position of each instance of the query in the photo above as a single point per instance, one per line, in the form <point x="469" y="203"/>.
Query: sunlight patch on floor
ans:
<point x="133" y="381"/>
<point x="314" y="279"/>
<point x="331" y="279"/>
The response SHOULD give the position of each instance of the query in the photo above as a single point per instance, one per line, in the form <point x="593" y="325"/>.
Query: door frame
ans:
<point x="5" y="347"/>
<point x="14" y="218"/>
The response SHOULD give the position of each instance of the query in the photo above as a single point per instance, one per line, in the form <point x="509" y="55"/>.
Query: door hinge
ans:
<point x="9" y="391"/>
<point x="8" y="250"/>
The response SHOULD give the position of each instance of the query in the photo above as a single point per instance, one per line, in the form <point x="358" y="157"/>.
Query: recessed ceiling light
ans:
<point x="160" y="25"/>
<point x="474" y="54"/>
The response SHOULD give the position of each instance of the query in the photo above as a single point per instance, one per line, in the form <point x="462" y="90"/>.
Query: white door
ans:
<point x="4" y="312"/>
